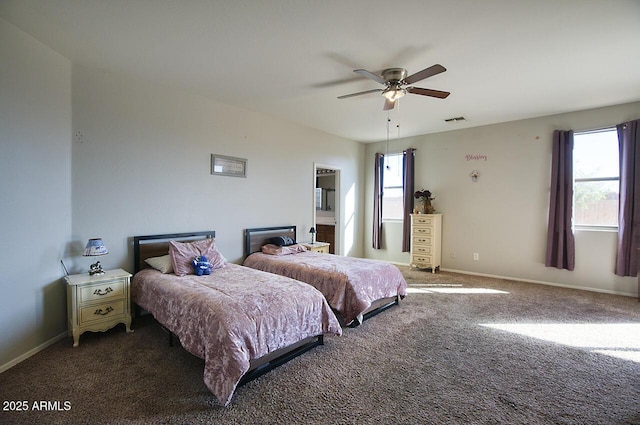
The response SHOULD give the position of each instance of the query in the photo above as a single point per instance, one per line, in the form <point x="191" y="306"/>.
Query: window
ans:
<point x="596" y="177"/>
<point x="392" y="202"/>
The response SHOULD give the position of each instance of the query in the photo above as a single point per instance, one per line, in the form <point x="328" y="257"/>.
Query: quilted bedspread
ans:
<point x="232" y="316"/>
<point x="349" y="284"/>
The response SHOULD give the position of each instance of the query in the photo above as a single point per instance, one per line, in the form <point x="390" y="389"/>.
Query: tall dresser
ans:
<point x="426" y="241"/>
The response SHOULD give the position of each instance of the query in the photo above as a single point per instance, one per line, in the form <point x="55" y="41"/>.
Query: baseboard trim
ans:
<point x="542" y="282"/>
<point x="32" y="352"/>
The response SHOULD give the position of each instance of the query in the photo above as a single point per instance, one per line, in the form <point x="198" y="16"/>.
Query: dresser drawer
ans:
<point x="102" y="292"/>
<point x="421" y="231"/>
<point x="422" y="260"/>
<point x="423" y="220"/>
<point x="422" y="250"/>
<point x="101" y="311"/>
<point x="422" y="240"/>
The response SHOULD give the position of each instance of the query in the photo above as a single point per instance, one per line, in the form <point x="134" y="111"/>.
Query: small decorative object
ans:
<point x="313" y="234"/>
<point x="201" y="265"/>
<point x="95" y="269"/>
<point x="94" y="248"/>
<point x="474" y="175"/>
<point x="425" y="198"/>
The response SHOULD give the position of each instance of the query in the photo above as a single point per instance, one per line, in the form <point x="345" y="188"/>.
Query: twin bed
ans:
<point x="355" y="288"/>
<point x="242" y="321"/>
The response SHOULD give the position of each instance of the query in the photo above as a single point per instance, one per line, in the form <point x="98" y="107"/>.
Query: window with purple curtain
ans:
<point x="629" y="205"/>
<point x="377" y="201"/>
<point x="560" y="240"/>
<point x="407" y="195"/>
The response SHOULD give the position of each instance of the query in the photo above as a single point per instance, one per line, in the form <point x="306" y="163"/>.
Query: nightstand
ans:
<point x="322" y="247"/>
<point x="98" y="303"/>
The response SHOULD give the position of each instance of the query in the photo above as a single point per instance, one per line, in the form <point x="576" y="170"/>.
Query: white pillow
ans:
<point x="163" y="264"/>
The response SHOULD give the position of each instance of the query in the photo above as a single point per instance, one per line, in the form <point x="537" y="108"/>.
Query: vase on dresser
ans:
<point x="426" y="207"/>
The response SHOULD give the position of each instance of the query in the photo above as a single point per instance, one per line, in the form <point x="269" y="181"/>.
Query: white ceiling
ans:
<point x="505" y="59"/>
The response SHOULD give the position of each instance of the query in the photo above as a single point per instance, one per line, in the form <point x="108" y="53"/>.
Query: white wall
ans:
<point x="503" y="216"/>
<point x="35" y="193"/>
<point x="141" y="165"/>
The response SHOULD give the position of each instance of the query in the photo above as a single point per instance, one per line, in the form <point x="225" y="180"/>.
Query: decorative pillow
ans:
<point x="162" y="264"/>
<point x="281" y="241"/>
<point x="272" y="249"/>
<point x="183" y="253"/>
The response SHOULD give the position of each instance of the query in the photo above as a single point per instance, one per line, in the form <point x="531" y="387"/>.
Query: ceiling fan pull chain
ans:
<point x="398" y="124"/>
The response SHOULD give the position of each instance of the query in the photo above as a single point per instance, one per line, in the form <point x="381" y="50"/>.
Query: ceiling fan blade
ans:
<point x="371" y="75"/>
<point x="425" y="73"/>
<point x="428" y="92"/>
<point x="345" y="96"/>
<point x="388" y="104"/>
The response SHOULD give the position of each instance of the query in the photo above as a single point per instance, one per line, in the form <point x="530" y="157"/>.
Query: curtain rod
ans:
<point x="396" y="153"/>
<point x="596" y="130"/>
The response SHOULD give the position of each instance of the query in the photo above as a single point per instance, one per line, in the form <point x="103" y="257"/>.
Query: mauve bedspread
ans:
<point x="232" y="316"/>
<point x="349" y="284"/>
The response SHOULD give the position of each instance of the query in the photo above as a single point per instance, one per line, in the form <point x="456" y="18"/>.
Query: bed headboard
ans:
<point x="157" y="245"/>
<point x="256" y="237"/>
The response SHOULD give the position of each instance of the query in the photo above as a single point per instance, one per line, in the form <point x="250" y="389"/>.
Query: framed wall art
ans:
<point x="228" y="166"/>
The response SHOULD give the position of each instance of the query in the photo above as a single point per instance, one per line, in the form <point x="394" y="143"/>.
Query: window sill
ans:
<point x="392" y="220"/>
<point x="610" y="229"/>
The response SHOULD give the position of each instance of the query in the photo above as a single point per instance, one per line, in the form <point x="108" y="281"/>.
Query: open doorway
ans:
<point x="326" y="195"/>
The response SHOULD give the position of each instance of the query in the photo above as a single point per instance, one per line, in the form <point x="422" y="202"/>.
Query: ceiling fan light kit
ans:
<point x="394" y="93"/>
<point x="395" y="79"/>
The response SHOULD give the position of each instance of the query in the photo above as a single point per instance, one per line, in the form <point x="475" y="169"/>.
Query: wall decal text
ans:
<point x="476" y="157"/>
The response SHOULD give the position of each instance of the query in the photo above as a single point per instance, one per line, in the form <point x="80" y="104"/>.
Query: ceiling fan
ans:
<point x="394" y="80"/>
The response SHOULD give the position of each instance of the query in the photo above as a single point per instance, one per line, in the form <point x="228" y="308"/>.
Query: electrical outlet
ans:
<point x="79" y="137"/>
<point x="452" y="255"/>
<point x="476" y="256"/>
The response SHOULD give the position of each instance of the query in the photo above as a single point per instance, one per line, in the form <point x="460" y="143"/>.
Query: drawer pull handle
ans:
<point x="99" y="311"/>
<point x="99" y="291"/>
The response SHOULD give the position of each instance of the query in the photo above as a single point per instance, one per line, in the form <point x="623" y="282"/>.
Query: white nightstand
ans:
<point x="98" y="303"/>
<point x="322" y="247"/>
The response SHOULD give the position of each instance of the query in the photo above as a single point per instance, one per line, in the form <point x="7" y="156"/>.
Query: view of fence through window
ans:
<point x="392" y="187"/>
<point x="596" y="178"/>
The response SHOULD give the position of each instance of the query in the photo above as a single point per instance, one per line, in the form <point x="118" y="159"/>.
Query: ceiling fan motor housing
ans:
<point x="394" y="75"/>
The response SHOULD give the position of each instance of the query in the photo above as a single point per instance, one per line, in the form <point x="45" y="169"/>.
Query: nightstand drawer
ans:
<point x="101" y="311"/>
<point x="103" y="291"/>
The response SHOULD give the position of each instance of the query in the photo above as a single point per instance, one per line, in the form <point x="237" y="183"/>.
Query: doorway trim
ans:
<point x="338" y="198"/>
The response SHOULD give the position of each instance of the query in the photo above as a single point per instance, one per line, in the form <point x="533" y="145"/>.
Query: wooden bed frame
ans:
<point x="157" y="245"/>
<point x="256" y="237"/>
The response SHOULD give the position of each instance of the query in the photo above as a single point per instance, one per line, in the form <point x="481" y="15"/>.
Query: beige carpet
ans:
<point x="458" y="349"/>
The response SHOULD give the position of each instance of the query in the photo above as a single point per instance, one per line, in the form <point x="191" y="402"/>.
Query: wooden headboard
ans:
<point x="157" y="245"/>
<point x="256" y="237"/>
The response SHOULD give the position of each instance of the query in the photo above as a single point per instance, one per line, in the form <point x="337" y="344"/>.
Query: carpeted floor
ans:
<point x="458" y="349"/>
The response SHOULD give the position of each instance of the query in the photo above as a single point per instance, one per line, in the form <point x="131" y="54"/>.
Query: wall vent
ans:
<point x="456" y="119"/>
